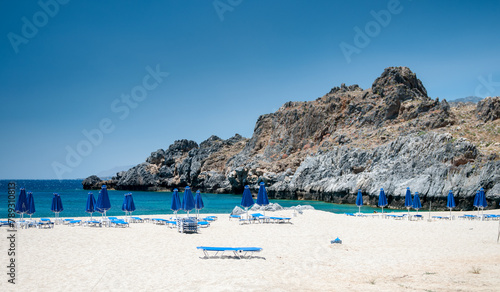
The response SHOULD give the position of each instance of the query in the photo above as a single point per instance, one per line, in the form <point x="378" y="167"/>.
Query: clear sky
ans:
<point x="101" y="67"/>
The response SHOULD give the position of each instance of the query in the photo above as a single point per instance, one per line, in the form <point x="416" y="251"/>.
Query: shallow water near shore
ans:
<point x="74" y="198"/>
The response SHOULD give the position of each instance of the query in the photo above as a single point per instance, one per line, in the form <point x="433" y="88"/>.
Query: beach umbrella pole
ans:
<point x="498" y="237"/>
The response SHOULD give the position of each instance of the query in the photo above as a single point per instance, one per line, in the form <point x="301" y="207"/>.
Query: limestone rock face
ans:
<point x="390" y="136"/>
<point x="488" y="109"/>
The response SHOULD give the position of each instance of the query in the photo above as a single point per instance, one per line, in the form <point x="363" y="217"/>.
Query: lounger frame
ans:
<point x="238" y="252"/>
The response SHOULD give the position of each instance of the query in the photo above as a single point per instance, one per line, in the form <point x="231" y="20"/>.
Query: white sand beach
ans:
<point x="376" y="255"/>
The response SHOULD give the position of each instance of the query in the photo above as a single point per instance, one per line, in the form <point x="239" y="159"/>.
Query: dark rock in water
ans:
<point x="391" y="135"/>
<point x="488" y="109"/>
<point x="90" y="182"/>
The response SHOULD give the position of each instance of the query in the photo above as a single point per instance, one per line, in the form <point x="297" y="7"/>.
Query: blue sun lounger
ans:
<point x="239" y="252"/>
<point x="203" y="223"/>
<point x="234" y="217"/>
<point x="137" y="219"/>
<point x="281" y="219"/>
<point x="74" y="222"/>
<point x="66" y="221"/>
<point x="44" y="223"/>
<point x="159" y="221"/>
<point x="119" y="223"/>
<point x="4" y="223"/>
<point x="171" y="223"/>
<point x="94" y="223"/>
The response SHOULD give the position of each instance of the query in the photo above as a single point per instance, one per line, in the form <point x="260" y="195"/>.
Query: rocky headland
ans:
<point x="391" y="136"/>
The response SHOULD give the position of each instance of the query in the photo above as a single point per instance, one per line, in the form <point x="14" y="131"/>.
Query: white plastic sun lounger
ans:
<point x="239" y="252"/>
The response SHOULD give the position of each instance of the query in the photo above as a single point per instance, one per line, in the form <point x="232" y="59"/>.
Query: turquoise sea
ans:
<point x="74" y="198"/>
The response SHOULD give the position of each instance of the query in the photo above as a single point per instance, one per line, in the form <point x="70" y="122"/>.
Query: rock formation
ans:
<point x="392" y="136"/>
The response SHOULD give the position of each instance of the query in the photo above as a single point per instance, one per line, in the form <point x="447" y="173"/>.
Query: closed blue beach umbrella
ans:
<point x="408" y="200"/>
<point x="128" y="205"/>
<point x="359" y="200"/>
<point x="382" y="200"/>
<point x="198" y="203"/>
<point x="56" y="206"/>
<point x="176" y="202"/>
<point x="416" y="202"/>
<point x="31" y="204"/>
<point x="262" y="199"/>
<point x="482" y="200"/>
<point x="246" y="199"/>
<point x="124" y="204"/>
<point x="22" y="203"/>
<point x="450" y="203"/>
<point x="187" y="200"/>
<point x="102" y="204"/>
<point x="476" y="201"/>
<point x="90" y="207"/>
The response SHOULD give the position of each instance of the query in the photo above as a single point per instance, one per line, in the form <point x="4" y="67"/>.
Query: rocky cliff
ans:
<point x="391" y="135"/>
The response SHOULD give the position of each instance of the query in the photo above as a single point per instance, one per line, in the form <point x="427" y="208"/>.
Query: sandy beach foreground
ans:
<point x="376" y="255"/>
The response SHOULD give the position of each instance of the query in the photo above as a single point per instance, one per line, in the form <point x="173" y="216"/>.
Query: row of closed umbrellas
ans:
<point x="479" y="200"/>
<point x="188" y="202"/>
<point x="26" y="205"/>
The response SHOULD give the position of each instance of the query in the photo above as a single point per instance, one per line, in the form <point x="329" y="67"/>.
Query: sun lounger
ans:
<point x="208" y="219"/>
<point x="280" y="219"/>
<point x="136" y="220"/>
<point x="119" y="223"/>
<point x="171" y="223"/>
<point x="467" y="217"/>
<point x="239" y="252"/>
<point x="397" y="217"/>
<point x="66" y="221"/>
<point x="4" y="223"/>
<point x="234" y="217"/>
<point x="212" y="217"/>
<point x="45" y="223"/>
<point x="491" y="217"/>
<point x="260" y="218"/>
<point x="246" y="220"/>
<point x="418" y="217"/>
<point x="203" y="223"/>
<point x="92" y="223"/>
<point x="159" y="221"/>
<point x="74" y="222"/>
<point x="441" y="217"/>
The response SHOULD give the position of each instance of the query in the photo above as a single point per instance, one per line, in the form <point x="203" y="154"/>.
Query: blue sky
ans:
<point x="228" y="61"/>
